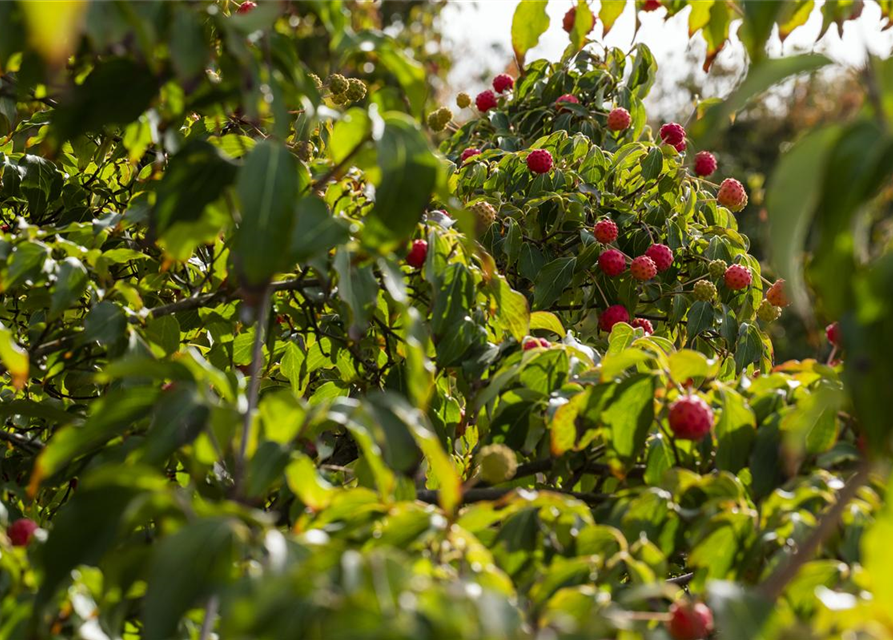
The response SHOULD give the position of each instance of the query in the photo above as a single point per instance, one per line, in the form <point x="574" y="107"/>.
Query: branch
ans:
<point x="479" y="495"/>
<point x="25" y="444"/>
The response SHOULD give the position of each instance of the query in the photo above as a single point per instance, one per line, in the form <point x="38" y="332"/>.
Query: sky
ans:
<point x="480" y="33"/>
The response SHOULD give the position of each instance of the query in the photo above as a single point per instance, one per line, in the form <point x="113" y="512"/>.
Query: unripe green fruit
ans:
<point x="317" y="81"/>
<point x="337" y="83"/>
<point x="717" y="268"/>
<point x="304" y="150"/>
<point x="768" y="312"/>
<point x="497" y="463"/>
<point x="356" y="90"/>
<point x="463" y="100"/>
<point x="438" y="120"/>
<point x="485" y="215"/>
<point x="705" y="290"/>
<point x="340" y="98"/>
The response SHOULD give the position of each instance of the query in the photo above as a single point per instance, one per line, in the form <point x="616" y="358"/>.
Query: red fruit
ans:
<point x="545" y="344"/>
<point x="645" y="325"/>
<point x="737" y="277"/>
<point x="619" y="119"/>
<point x="605" y="231"/>
<point x="673" y="134"/>
<point x="502" y="82"/>
<point x="570" y="17"/>
<point x="776" y="294"/>
<point x="651" y="5"/>
<point x="690" y="418"/>
<point x="690" y="621"/>
<point x="417" y="254"/>
<point x="612" y="262"/>
<point x="611" y="316"/>
<point x="246" y="6"/>
<point x="662" y="256"/>
<point x="532" y="342"/>
<point x="732" y="195"/>
<point x="539" y="161"/>
<point x="832" y="332"/>
<point x="470" y="152"/>
<point x="485" y="101"/>
<point x="643" y="268"/>
<point x="705" y="163"/>
<point x="21" y="531"/>
<point x="567" y="97"/>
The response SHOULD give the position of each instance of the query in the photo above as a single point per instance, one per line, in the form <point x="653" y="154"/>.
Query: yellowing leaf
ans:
<point x="54" y="27"/>
<point x="546" y="320"/>
<point x="14" y="358"/>
<point x="528" y="24"/>
<point x="609" y="12"/>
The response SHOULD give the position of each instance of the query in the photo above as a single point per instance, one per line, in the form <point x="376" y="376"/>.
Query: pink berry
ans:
<point x="672" y="134"/>
<point x="705" y="163"/>
<point x="417" y="254"/>
<point x="246" y="6"/>
<point x="690" y="621"/>
<point x="645" y="325"/>
<point x="737" y="277"/>
<point x="503" y="82"/>
<point x="605" y="231"/>
<point x="690" y="418"/>
<point x="777" y="295"/>
<point x="612" y="262"/>
<point x="611" y="316"/>
<point x="470" y="152"/>
<point x="567" y="98"/>
<point x="485" y="101"/>
<point x="643" y="268"/>
<point x="619" y="119"/>
<point x="21" y="531"/>
<point x="662" y="256"/>
<point x="539" y="161"/>
<point x="732" y="195"/>
<point x="681" y="146"/>
<point x="832" y="332"/>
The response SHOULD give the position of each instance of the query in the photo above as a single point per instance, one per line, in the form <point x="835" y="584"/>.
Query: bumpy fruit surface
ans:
<point x="304" y="150"/>
<point x="776" y="294"/>
<point x="246" y="6"/>
<point x="470" y="153"/>
<point x="567" y="98"/>
<point x="612" y="262"/>
<point x="439" y="119"/>
<point x="644" y="325"/>
<point x="497" y="463"/>
<point x="717" y="268"/>
<point x="705" y="291"/>
<point x="337" y="83"/>
<point x="690" y="621"/>
<point x="768" y="312"/>
<point x="732" y="195"/>
<point x="611" y="316"/>
<point x="503" y="82"/>
<point x="643" y="268"/>
<point x="463" y="100"/>
<point x="690" y="418"/>
<point x="485" y="101"/>
<point x="737" y="277"/>
<point x="606" y="231"/>
<point x="339" y="98"/>
<point x="651" y="5"/>
<point x="316" y="80"/>
<point x="532" y="342"/>
<point x="539" y="161"/>
<point x="705" y="163"/>
<point x="832" y="332"/>
<point x="356" y="90"/>
<point x="417" y="254"/>
<point x="662" y="256"/>
<point x="485" y="215"/>
<point x="21" y="531"/>
<point x="672" y="134"/>
<point x="619" y="119"/>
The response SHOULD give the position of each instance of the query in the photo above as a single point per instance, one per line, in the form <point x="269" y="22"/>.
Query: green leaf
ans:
<point x="453" y="298"/>
<point x="685" y="364"/>
<point x="188" y="44"/>
<point x="735" y="432"/>
<point x="700" y="317"/>
<point x="749" y="348"/>
<point x="41" y="184"/>
<point x="268" y="186"/>
<point x="563" y="428"/>
<point x="609" y="11"/>
<point x="357" y="287"/>
<point x="584" y="21"/>
<point x="551" y="282"/>
<point x="529" y="22"/>
<point x="716" y="32"/>
<point x="165" y="332"/>
<point x="105" y="324"/>
<point x="317" y="231"/>
<point x="305" y="482"/>
<point x="70" y="285"/>
<point x="759" y="18"/>
<point x="548" y="321"/>
<point x="14" y="358"/>
<point x="512" y="310"/>
<point x="653" y="164"/>
<point x="629" y="414"/>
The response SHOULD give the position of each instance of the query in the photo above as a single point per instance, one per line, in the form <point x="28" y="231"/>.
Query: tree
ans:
<point x="274" y="366"/>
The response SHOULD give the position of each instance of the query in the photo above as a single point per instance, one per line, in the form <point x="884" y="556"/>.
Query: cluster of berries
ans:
<point x="439" y="119"/>
<point x="345" y="90"/>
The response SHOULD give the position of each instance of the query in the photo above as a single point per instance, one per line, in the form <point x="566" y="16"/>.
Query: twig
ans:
<point x="210" y="614"/>
<point x="478" y="495"/>
<point x="20" y="441"/>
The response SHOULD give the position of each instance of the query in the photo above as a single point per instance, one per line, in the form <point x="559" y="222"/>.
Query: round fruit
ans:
<point x="497" y="463"/>
<point x="605" y="231"/>
<point x="612" y="262"/>
<point x="485" y="101"/>
<point x="470" y="152"/>
<point x="316" y="80"/>
<point x="611" y="316"/>
<point x="417" y="254"/>
<point x="304" y="150"/>
<point x="662" y="256"/>
<point x="832" y="332"/>
<point x="21" y="531"/>
<point x="619" y="119"/>
<point x="768" y="312"/>
<point x="651" y="5"/>
<point x="463" y="100"/>
<point x="246" y="6"/>
<point x="737" y="277"/>
<point x="644" y="325"/>
<point x="672" y="134"/>
<point x="705" y="291"/>
<point x="690" y="621"/>
<point x="337" y="83"/>
<point x="643" y="268"/>
<point x="532" y="342"/>
<point x="485" y="215"/>
<point x="776" y="294"/>
<point x="717" y="268"/>
<point x="732" y="195"/>
<point x="503" y="82"/>
<point x="539" y="161"/>
<point x="356" y="91"/>
<point x="566" y="98"/>
<point x="705" y="163"/>
<point x="439" y="119"/>
<point x="690" y="418"/>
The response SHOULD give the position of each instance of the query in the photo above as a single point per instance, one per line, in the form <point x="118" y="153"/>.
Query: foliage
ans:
<point x="232" y="405"/>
